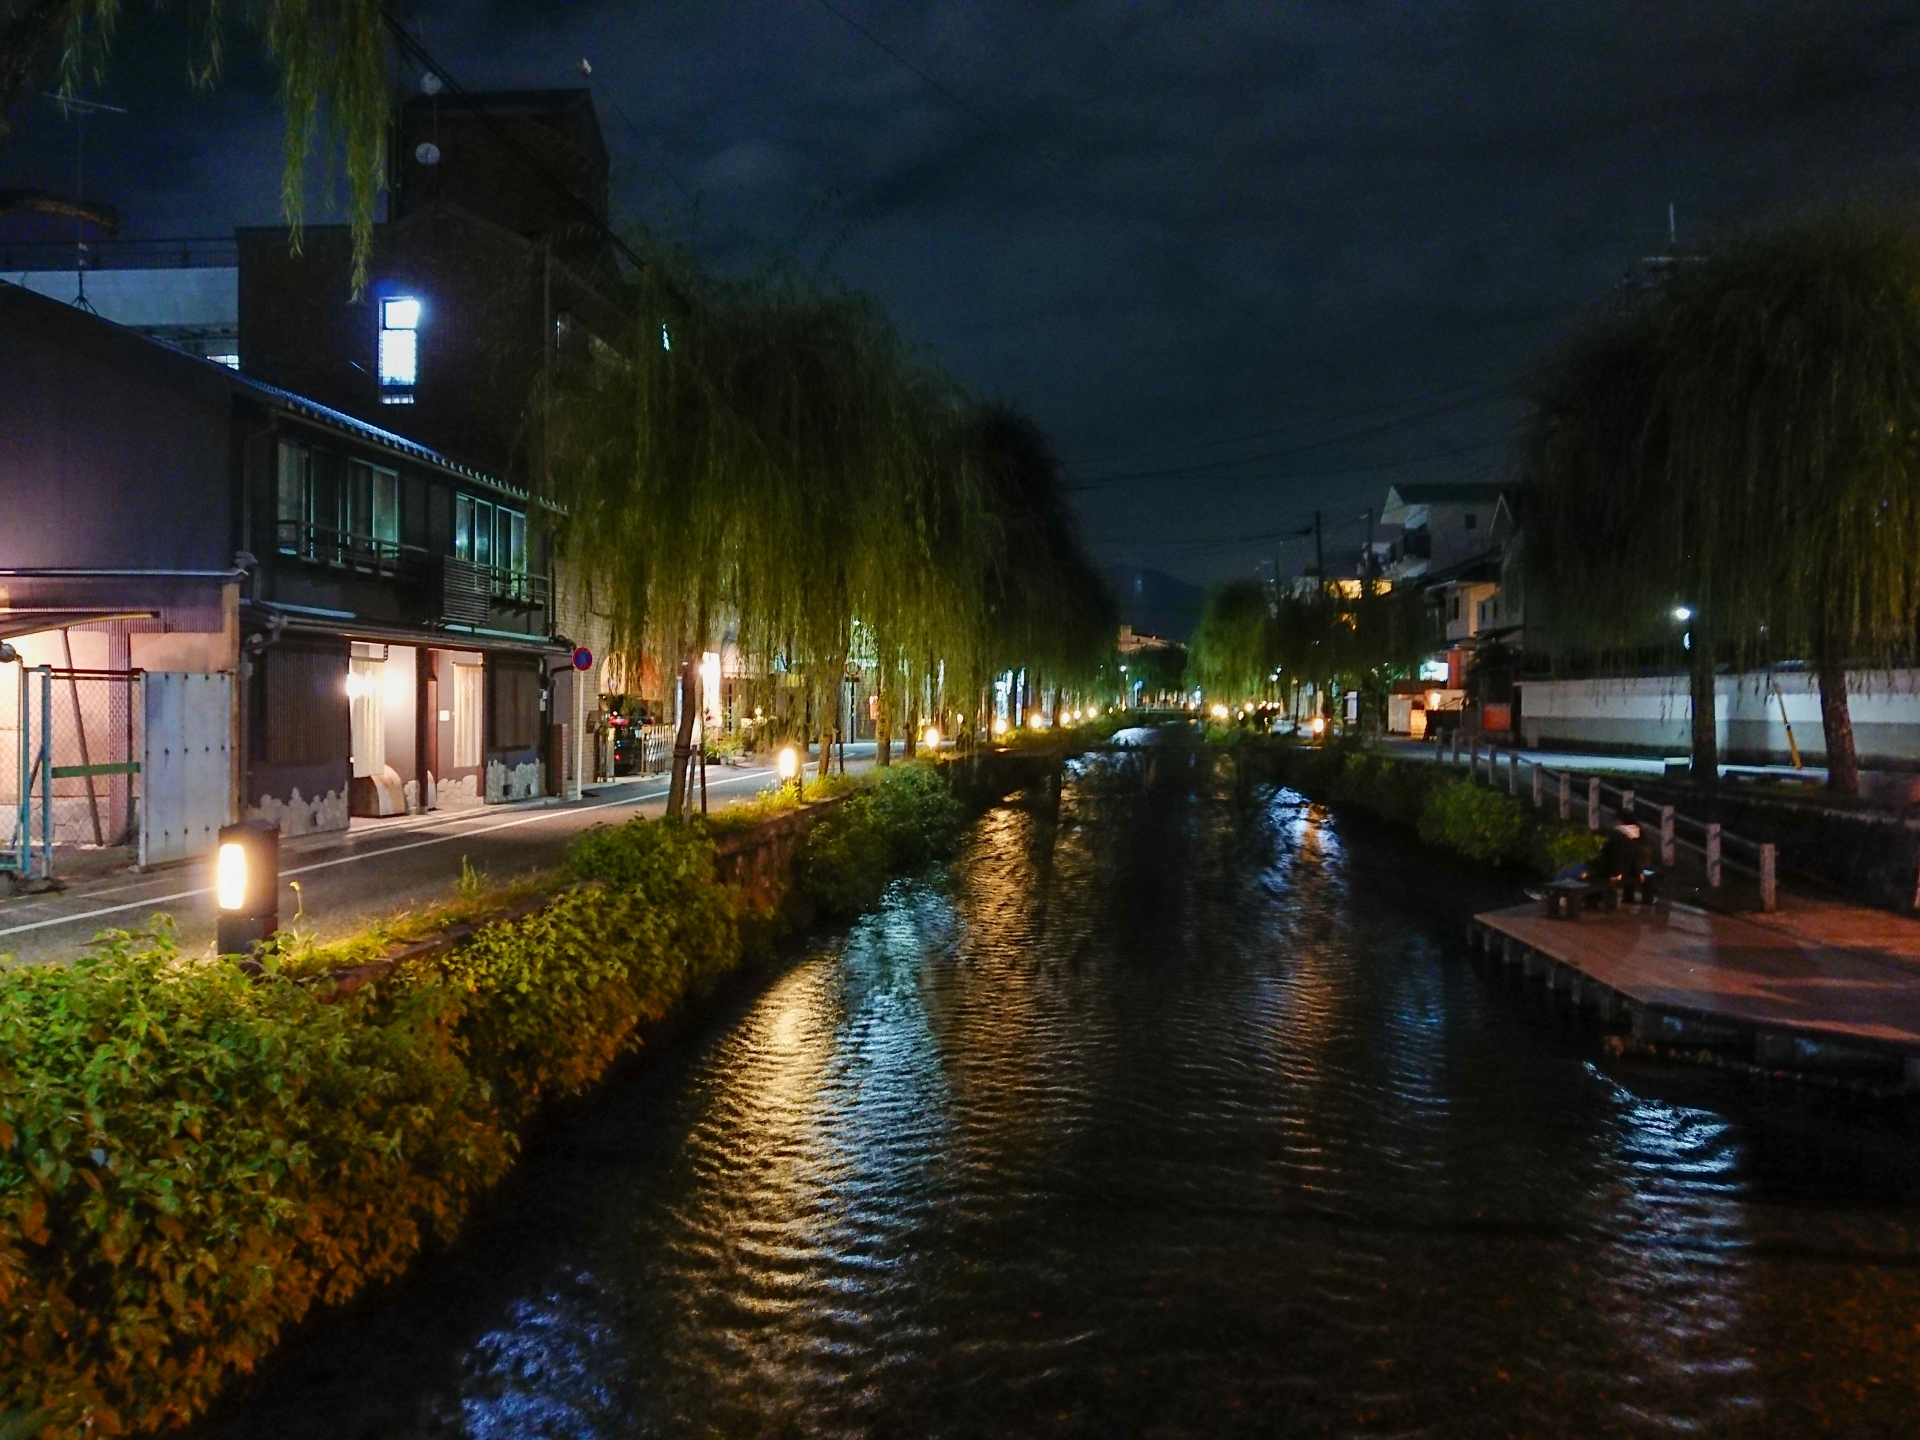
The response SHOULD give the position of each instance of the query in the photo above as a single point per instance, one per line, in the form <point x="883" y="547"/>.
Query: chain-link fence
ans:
<point x="69" y="763"/>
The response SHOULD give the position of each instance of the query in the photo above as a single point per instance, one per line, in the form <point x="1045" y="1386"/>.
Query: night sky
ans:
<point x="1267" y="256"/>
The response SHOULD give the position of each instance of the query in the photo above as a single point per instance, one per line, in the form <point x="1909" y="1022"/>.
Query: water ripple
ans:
<point x="1170" y="1111"/>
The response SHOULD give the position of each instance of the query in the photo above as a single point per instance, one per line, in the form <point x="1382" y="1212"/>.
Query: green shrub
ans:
<point x="1479" y="823"/>
<point x="906" y="817"/>
<point x="191" y="1158"/>
<point x="1560" y="845"/>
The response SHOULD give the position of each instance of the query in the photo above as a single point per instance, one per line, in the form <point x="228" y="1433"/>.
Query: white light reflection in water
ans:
<point x="1675" y="1231"/>
<point x="790" y="1233"/>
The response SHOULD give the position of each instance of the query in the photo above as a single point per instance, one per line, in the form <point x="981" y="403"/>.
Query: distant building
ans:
<point x="183" y="293"/>
<point x="1444" y="525"/>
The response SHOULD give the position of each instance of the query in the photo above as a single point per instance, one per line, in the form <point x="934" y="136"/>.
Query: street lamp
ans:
<point x="246" y="885"/>
<point x="932" y="738"/>
<point x="788" y="764"/>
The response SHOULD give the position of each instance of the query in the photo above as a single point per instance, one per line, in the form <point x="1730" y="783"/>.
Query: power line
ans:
<point x="955" y="100"/>
<point x="1370" y="432"/>
<point x="1123" y="220"/>
<point x="1297" y="474"/>
<point x="1452" y="390"/>
<point x="653" y="150"/>
<point x="418" y="51"/>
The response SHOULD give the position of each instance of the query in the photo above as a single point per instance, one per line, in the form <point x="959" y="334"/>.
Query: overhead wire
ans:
<point x="987" y="123"/>
<point x="1473" y="388"/>
<point x="499" y="132"/>
<point x="1364" y="469"/>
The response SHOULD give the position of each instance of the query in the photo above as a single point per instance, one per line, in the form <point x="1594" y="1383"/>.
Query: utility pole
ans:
<point x="1366" y="566"/>
<point x="1319" y="554"/>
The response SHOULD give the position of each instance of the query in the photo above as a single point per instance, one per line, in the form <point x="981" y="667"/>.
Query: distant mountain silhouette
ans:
<point x="1154" y="603"/>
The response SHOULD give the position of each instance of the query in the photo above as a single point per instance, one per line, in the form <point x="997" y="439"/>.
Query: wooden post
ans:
<point x="1473" y="758"/>
<point x="1713" y="857"/>
<point x="1626" y="805"/>
<point x="1769" y="878"/>
<point x="1538" y="799"/>
<point x="1593" y="802"/>
<point x="1513" y="772"/>
<point x="1666" y="835"/>
<point x="1566" y="796"/>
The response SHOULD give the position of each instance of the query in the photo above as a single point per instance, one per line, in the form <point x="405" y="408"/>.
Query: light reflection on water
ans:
<point x="1176" y="1112"/>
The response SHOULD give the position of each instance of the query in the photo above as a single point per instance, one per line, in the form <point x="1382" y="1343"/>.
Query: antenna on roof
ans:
<point x="77" y="110"/>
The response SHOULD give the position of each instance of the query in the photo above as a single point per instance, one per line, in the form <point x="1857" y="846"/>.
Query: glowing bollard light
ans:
<point x="1318" y="726"/>
<point x="246" y="885"/>
<point x="788" y="764"/>
<point x="1219" y="712"/>
<point x="999" y="724"/>
<point x="932" y="738"/>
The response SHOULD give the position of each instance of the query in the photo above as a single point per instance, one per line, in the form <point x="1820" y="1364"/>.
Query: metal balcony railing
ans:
<point x="348" y="550"/>
<point x="467" y="591"/>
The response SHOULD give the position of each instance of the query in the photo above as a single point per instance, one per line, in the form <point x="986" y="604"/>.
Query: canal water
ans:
<point x="1173" y="1108"/>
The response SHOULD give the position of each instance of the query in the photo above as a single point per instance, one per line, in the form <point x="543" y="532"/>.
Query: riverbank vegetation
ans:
<point x="1447" y="811"/>
<point x="1254" y="645"/>
<point x="193" y="1159"/>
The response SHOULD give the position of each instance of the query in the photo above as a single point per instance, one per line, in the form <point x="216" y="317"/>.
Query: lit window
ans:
<point x="232" y="362"/>
<point x="399" y="349"/>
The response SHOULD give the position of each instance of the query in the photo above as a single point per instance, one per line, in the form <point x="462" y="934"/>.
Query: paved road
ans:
<point x="349" y="879"/>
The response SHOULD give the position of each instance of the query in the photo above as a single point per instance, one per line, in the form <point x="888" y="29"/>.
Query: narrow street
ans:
<point x="348" y="880"/>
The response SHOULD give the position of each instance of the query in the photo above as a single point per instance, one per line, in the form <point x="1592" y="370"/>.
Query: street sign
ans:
<point x="583" y="659"/>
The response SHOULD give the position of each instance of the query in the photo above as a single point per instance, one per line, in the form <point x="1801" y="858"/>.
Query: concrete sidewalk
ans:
<point x="346" y="880"/>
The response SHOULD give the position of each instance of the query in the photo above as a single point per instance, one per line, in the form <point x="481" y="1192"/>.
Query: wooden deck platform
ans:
<point x="1814" y="995"/>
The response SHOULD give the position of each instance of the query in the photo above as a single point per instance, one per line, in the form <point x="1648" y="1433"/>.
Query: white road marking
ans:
<point x="543" y="814"/>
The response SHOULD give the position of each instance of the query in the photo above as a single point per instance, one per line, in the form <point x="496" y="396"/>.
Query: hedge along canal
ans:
<point x="1473" y="822"/>
<point x="192" y="1159"/>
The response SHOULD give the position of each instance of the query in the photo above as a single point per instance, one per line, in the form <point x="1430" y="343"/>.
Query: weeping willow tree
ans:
<point x="1742" y="447"/>
<point x="765" y="456"/>
<point x="332" y="55"/>
<point x="1041" y="604"/>
<point x="1236" y="645"/>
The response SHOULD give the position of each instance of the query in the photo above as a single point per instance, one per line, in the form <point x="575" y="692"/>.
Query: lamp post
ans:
<point x="247" y="885"/>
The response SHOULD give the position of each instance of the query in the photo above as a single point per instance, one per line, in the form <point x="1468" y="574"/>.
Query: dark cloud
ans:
<point x="1160" y="224"/>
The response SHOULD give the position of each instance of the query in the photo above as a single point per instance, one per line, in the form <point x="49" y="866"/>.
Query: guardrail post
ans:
<point x="1666" y="835"/>
<point x="1769" y="878"/>
<point x="1566" y="796"/>
<point x="1626" y="805"/>
<point x="1513" y="772"/>
<point x="1538" y="798"/>
<point x="1713" y="857"/>
<point x="1593" y="802"/>
<point x="1456" y="746"/>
